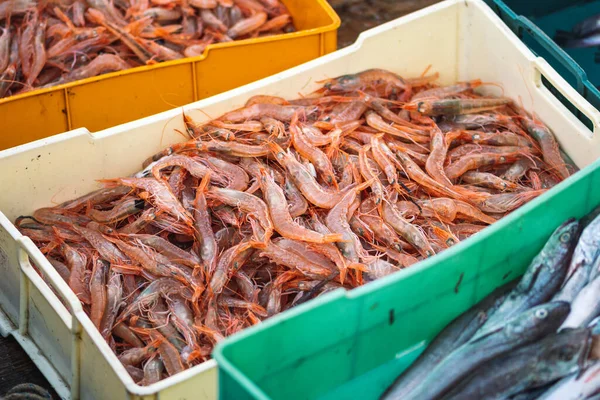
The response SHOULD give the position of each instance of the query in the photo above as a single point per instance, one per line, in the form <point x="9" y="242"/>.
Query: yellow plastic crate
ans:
<point x="112" y="99"/>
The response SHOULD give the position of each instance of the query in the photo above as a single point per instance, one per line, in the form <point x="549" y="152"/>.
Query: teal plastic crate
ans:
<point x="536" y="22"/>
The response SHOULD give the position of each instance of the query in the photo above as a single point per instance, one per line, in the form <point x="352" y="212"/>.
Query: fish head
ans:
<point x="539" y="321"/>
<point x="562" y="242"/>
<point x="567" y="350"/>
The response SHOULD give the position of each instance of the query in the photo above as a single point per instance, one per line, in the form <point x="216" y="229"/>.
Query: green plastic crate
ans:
<point x="352" y="345"/>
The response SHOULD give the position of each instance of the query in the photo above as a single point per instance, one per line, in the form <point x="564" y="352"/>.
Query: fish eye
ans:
<point x="541" y="313"/>
<point x="565" y="237"/>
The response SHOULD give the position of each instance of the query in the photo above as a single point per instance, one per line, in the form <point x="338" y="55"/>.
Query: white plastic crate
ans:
<point x="461" y="39"/>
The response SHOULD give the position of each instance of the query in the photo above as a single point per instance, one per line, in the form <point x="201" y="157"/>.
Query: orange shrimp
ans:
<point x="311" y="153"/>
<point x="474" y="161"/>
<point x="435" y="162"/>
<point x="98" y="292"/>
<point x="408" y="134"/>
<point x="282" y="220"/>
<point x="254" y="208"/>
<point x="368" y="78"/>
<point x="247" y="25"/>
<point x="205" y="237"/>
<point x="159" y="193"/>
<point x="304" y="181"/>
<point x="549" y="146"/>
<point x="407" y="230"/>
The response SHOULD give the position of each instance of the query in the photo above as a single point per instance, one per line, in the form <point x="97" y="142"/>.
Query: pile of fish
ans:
<point x="51" y="42"/>
<point x="281" y="201"/>
<point x="535" y="339"/>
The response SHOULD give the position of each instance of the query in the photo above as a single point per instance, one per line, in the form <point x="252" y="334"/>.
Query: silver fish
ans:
<point x="532" y="366"/>
<point x="587" y="26"/>
<point x="570" y="41"/>
<point x="576" y="386"/>
<point x="585" y="307"/>
<point x="527" y="327"/>
<point x="455" y="334"/>
<point x="541" y="279"/>
<point x="583" y="262"/>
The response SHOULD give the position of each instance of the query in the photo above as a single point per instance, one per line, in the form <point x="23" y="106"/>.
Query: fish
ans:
<point x="585" y="307"/>
<point x="575" y="386"/>
<point x="532" y="394"/>
<point x="531" y="325"/>
<point x="584" y="261"/>
<point x="542" y="278"/>
<point x="532" y="366"/>
<point x="570" y="41"/>
<point x="587" y="26"/>
<point x="455" y="334"/>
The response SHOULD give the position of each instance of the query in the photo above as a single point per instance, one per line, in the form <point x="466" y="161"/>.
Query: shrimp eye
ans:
<point x="280" y="156"/>
<point x="502" y="159"/>
<point x="450" y="241"/>
<point x="541" y="313"/>
<point x="476" y="137"/>
<point x="565" y="237"/>
<point x="429" y="253"/>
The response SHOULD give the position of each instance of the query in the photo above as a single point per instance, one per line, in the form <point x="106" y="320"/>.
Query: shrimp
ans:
<point x="39" y="54"/>
<point x="119" y="212"/>
<point x="365" y="79"/>
<point x="304" y="181"/>
<point x="440" y="207"/>
<point x="98" y="292"/>
<point x="254" y="207"/>
<point x="474" y="161"/>
<point x="168" y="249"/>
<point x="262" y="99"/>
<point x="502" y="203"/>
<point x="467" y="211"/>
<point x="294" y="261"/>
<point x="297" y="203"/>
<point x="518" y="169"/>
<point x="549" y="146"/>
<point x="407" y="230"/>
<point x="408" y="134"/>
<point x="367" y="173"/>
<point x="447" y="91"/>
<point x="455" y="106"/>
<point x="435" y="162"/>
<point x="159" y="193"/>
<point x="205" y="237"/>
<point x="229" y="263"/>
<point x="77" y="262"/>
<point x="311" y="153"/>
<point x="114" y="292"/>
<point x="282" y="220"/>
<point x="486" y="179"/>
<point x="247" y="25"/>
<point x="195" y="168"/>
<point x="257" y="111"/>
<point x="237" y="178"/>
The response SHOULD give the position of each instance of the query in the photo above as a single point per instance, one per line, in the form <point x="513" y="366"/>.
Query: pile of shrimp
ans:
<point x="281" y="201"/>
<point x="51" y="42"/>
